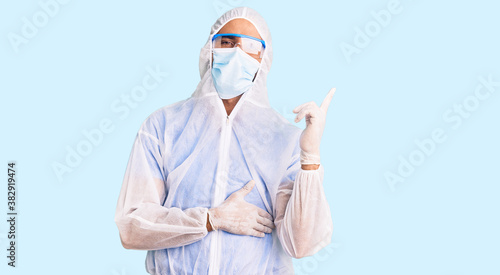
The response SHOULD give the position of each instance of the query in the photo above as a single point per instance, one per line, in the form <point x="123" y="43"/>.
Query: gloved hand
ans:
<point x="310" y="138"/>
<point x="237" y="216"/>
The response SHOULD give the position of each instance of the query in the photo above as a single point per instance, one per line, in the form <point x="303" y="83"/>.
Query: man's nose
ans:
<point x="238" y="45"/>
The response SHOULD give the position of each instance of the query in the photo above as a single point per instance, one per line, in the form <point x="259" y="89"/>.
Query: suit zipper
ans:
<point x="220" y="190"/>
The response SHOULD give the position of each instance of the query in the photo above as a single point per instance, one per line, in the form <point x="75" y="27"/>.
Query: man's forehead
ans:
<point x="240" y="26"/>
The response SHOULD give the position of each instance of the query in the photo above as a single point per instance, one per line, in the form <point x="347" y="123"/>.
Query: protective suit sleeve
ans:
<point x="303" y="220"/>
<point x="143" y="222"/>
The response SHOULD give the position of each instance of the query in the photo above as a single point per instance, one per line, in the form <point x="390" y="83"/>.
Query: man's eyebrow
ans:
<point x="229" y="36"/>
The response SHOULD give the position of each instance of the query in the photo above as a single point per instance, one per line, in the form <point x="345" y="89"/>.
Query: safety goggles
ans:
<point x="251" y="45"/>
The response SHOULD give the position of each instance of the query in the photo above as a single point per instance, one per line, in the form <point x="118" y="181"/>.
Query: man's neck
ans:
<point x="230" y="103"/>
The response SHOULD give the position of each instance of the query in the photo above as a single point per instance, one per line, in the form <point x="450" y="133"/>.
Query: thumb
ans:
<point x="246" y="189"/>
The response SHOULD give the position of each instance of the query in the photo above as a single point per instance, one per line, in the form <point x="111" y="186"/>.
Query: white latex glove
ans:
<point x="237" y="216"/>
<point x="310" y="138"/>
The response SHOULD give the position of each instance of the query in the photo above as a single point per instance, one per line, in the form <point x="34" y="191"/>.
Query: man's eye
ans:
<point x="227" y="43"/>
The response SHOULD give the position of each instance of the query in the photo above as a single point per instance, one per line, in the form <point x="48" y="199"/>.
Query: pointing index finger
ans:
<point x="326" y="102"/>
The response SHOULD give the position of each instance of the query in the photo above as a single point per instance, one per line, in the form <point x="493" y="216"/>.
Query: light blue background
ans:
<point x="443" y="219"/>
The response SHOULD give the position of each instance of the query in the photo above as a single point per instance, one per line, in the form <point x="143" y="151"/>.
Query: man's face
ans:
<point x="241" y="26"/>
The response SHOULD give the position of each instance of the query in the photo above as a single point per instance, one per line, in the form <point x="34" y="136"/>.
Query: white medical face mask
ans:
<point x="233" y="71"/>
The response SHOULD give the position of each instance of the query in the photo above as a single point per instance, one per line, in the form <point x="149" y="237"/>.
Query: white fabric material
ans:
<point x="190" y="156"/>
<point x="233" y="71"/>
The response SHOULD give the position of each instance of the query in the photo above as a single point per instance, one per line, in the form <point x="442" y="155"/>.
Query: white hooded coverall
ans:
<point x="190" y="156"/>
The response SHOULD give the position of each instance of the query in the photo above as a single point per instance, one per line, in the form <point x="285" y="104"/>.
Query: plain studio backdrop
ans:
<point x="411" y="146"/>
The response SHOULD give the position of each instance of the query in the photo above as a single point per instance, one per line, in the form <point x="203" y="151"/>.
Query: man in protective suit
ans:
<point x="220" y="183"/>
